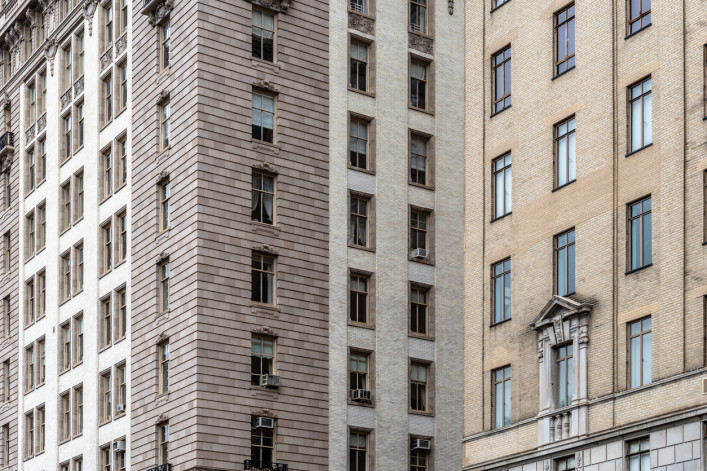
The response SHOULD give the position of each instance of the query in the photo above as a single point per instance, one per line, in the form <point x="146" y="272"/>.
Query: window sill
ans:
<point x="29" y="391"/>
<point x="30" y="192"/>
<point x="119" y="264"/>
<point x="120" y="187"/>
<point x="66" y="440"/>
<point x="63" y="162"/>
<point x="563" y="186"/>
<point x="361" y="247"/>
<point x="362" y="170"/>
<point x="107" y="123"/>
<point x="105" y="198"/>
<point x="424" y="261"/>
<point x="29" y="258"/>
<point x="106" y="421"/>
<point x="65" y="231"/>
<point x="414" y="335"/>
<point x="360" y="325"/>
<point x="119" y="113"/>
<point x="500" y="217"/>
<point x="638" y="269"/>
<point x="369" y="404"/>
<point x="500" y="111"/>
<point x="430" y="112"/>
<point x="265" y="146"/>
<point x="500" y="6"/>
<point x="78" y="292"/>
<point x="41" y="182"/>
<point x="270" y="229"/>
<point x="271" y="67"/>
<point x="563" y="73"/>
<point x="64" y="301"/>
<point x="636" y="32"/>
<point x="362" y="92"/>
<point x="80" y="434"/>
<point x="496" y="324"/>
<point x="78" y="220"/>
<point x="102" y="275"/>
<point x="78" y="149"/>
<point x="267" y="309"/>
<point x="104" y="348"/>
<point x="419" y="412"/>
<point x="638" y="150"/>
<point x="40" y="250"/>
<point x="420" y="185"/>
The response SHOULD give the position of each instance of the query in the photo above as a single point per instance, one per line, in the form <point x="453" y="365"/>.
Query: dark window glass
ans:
<point x="640" y="229"/>
<point x="564" y="263"/>
<point x="639" y="15"/>
<point x="263" y="108"/>
<point x="358" y="144"/>
<point x="418" y="160"/>
<point x="501" y="273"/>
<point x="263" y="35"/>
<point x="501" y="66"/>
<point x="564" y="40"/>
<point x="418" y="84"/>
<point x="358" y="302"/>
<point x="263" y="194"/>
<point x="359" y="66"/>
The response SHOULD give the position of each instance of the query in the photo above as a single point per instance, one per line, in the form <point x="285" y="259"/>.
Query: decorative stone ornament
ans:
<point x="4" y="101"/>
<point x="162" y="256"/>
<point x="89" y="8"/>
<point x="266" y="167"/>
<point x="161" y="12"/>
<point x="275" y="5"/>
<point x="450" y="6"/>
<point x="50" y="53"/>
<point x="420" y="43"/>
<point x="162" y="96"/>
<point x="121" y="45"/>
<point x="362" y="23"/>
<point x="265" y="331"/>
<point x="265" y="85"/>
<point x="265" y="248"/>
<point x="264" y="413"/>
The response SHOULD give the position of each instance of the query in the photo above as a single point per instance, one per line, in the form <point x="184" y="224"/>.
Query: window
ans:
<point x="41" y="345"/>
<point x="124" y="17"/>
<point x="262" y="443"/>
<point x="263" y="35"/>
<point x="262" y="279"/>
<point x="564" y="376"/>
<point x="261" y="358"/>
<point x="78" y="464"/>
<point x="8" y="315"/>
<point x="6" y="380"/>
<point x="107" y="99"/>
<point x="639" y="15"/>
<point x="106" y="383"/>
<point x="79" y="196"/>
<point x="78" y="410"/>
<point x="163" y="271"/>
<point x="640" y="359"/>
<point x="29" y="372"/>
<point x="42" y="282"/>
<point x="123" y="90"/>
<point x="120" y="457"/>
<point x="358" y="371"/>
<point x="565" y="153"/>
<point x="29" y="440"/>
<point x="42" y="210"/>
<point x="8" y="252"/>
<point x="359" y="6"/>
<point x="418" y="84"/>
<point x="418" y="231"/>
<point x="30" y="236"/>
<point x="107" y="158"/>
<point x="503" y="186"/>
<point x="30" y="302"/>
<point x="122" y="386"/>
<point x="358" y="451"/>
<point x="6" y="444"/>
<point x="418" y="310"/>
<point x="122" y="162"/>
<point x="122" y="313"/>
<point x="359" y="221"/>
<point x="107" y="231"/>
<point x="80" y="41"/>
<point x="78" y="327"/>
<point x="32" y="95"/>
<point x="418" y="387"/>
<point x="263" y="194"/>
<point x="106" y="322"/>
<point x="122" y="238"/>
<point x="358" y="67"/>
<point x="501" y="397"/>
<point x="43" y="96"/>
<point x="564" y="263"/>
<point x="79" y="268"/>
<point x="501" y="274"/>
<point x="79" y="112"/>
<point x="419" y="459"/>
<point x="30" y="170"/>
<point x="66" y="345"/>
<point x="163" y="367"/>
<point x="418" y="16"/>
<point x="165" y="193"/>
<point x="164" y="125"/>
<point x="43" y="159"/>
<point x="163" y="436"/>
<point x="704" y="216"/>
<point x="42" y="420"/>
<point x="358" y="298"/>
<point x="67" y="136"/>
<point x="68" y="77"/>
<point x="639" y="458"/>
<point x="564" y="40"/>
<point x="418" y="160"/>
<point x="108" y="25"/>
<point x="263" y="114"/>
<point x="105" y="458"/>
<point x="640" y="114"/>
<point x="8" y="190"/>
<point x="65" y="417"/>
<point x="358" y="144"/>
<point x="640" y="230"/>
<point x="66" y="202"/>
<point x="164" y="45"/>
<point x="501" y="66"/>
<point x="565" y="464"/>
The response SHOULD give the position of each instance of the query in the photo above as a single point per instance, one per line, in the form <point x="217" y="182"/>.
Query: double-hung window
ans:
<point x="418" y="84"/>
<point x="418" y="160"/>
<point x="263" y="279"/>
<point x="639" y="15"/>
<point x="358" y="451"/>
<point x="564" y="263"/>
<point x="163" y="364"/>
<point x="565" y="153"/>
<point x="262" y="444"/>
<point x="640" y="110"/>
<point x="418" y="387"/>
<point x="419" y="301"/>
<point x="263" y="35"/>
<point x="640" y="234"/>
<point x="263" y="197"/>
<point x="164" y="125"/>
<point x="501" y="397"/>
<point x="639" y="455"/>
<point x="164" y="45"/>
<point x="262" y="354"/>
<point x="564" y="375"/>
<point x="502" y="186"/>
<point x="501" y="66"/>
<point x="418" y="16"/>
<point x="358" y="371"/>
<point x="163" y="280"/>
<point x="419" y="233"/>
<point x="358" y="144"/>
<point x="360" y="6"/>
<point x="501" y="275"/>
<point x="263" y="115"/>
<point x="564" y="40"/>
<point x="358" y="298"/>
<point x="640" y="352"/>
<point x="359" y="221"/>
<point x="358" y="67"/>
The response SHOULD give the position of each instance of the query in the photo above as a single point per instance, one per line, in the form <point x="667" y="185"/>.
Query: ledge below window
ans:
<point x="638" y="269"/>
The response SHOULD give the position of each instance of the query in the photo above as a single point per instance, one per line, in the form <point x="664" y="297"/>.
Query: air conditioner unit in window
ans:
<point x="120" y="408"/>
<point x="420" y="444"/>
<point x="361" y="395"/>
<point x="419" y="253"/>
<point x="119" y="445"/>
<point x="269" y="381"/>
<point x="264" y="422"/>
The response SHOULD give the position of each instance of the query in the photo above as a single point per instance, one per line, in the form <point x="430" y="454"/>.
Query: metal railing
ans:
<point x="162" y="467"/>
<point x="358" y="6"/>
<point x="252" y="465"/>
<point x="7" y="139"/>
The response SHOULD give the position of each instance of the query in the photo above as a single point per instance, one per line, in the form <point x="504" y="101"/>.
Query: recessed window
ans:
<point x="564" y="376"/>
<point x="501" y="275"/>
<point x="164" y="45"/>
<point x="122" y="161"/>
<point x="163" y="364"/>
<point x="640" y="115"/>
<point x="68" y="76"/>
<point x="30" y="235"/>
<point x="108" y="25"/>
<point x="263" y="36"/>
<point x="358" y="451"/>
<point x="80" y="269"/>
<point x="564" y="263"/>
<point x="107" y="231"/>
<point x="565" y="464"/>
<point x="30" y="302"/>
<point x="66" y="346"/>
<point x="565" y="153"/>
<point x="122" y="237"/>
<point x="638" y="454"/>
<point x="640" y="353"/>
<point x="263" y="194"/>
<point x="419" y="304"/>
<point x="123" y="89"/>
<point x="418" y="84"/>
<point x="29" y="440"/>
<point x="164" y="125"/>
<point x="498" y="3"/>
<point x="122" y="387"/>
<point x="78" y="411"/>
<point x="66" y="205"/>
<point x="29" y="372"/>
<point x="65" y="417"/>
<point x="79" y="196"/>
<point x="502" y="186"/>
<point x="262" y="279"/>
<point x="263" y="115"/>
<point x="106" y="322"/>
<point x="164" y="195"/>
<point x="639" y="15"/>
<point x="501" y="397"/>
<point x="32" y="95"/>
<point x="106" y="396"/>
<point x="31" y="169"/>
<point x="107" y="99"/>
<point x="124" y="16"/>
<point x="67" y="136"/>
<point x="358" y="68"/>
<point x="78" y="330"/>
<point x="122" y="313"/>
<point x="80" y="131"/>
<point x="262" y="444"/>
<point x="358" y="372"/>
<point x="42" y="288"/>
<point x="359" y="221"/>
<point x="358" y="298"/>
<point x="564" y="40"/>
<point x="419" y="234"/>
<point x="42" y="346"/>
<point x="42" y="422"/>
<point x="358" y="144"/>
<point x="640" y="234"/>
<point x="262" y="354"/>
<point x="418" y="16"/>
<point x="418" y="387"/>
<point x="501" y="66"/>
<point x="66" y="276"/>
<point x="163" y="444"/>
<point x="418" y="159"/>
<point x="163" y="280"/>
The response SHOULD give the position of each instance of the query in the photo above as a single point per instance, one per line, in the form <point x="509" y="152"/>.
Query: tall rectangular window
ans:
<point x="358" y="371"/>
<point x="639" y="15"/>
<point x="419" y="231"/>
<point x="78" y="329"/>
<point x="79" y="268"/>
<point x="29" y="372"/>
<point x="80" y="133"/>
<point x="107" y="397"/>
<point x="164" y="125"/>
<point x="564" y="40"/>
<point x="263" y="116"/>
<point x="502" y="186"/>
<point x="640" y="112"/>
<point x="640" y="352"/>
<point x="564" y="375"/>
<point x="107" y="160"/>
<point x="640" y="234"/>
<point x="66" y="203"/>
<point x="358" y="298"/>
<point x="164" y="44"/>
<point x="262" y="444"/>
<point x="42" y="346"/>
<point x="82" y="55"/>
<point x="163" y="273"/>
<point x="122" y="237"/>
<point x="418" y="159"/>
<point x="8" y="253"/>
<point x="164" y="194"/>
<point x="501" y="274"/>
<point x="30" y="302"/>
<point x="78" y="411"/>
<point x="42" y="210"/>
<point x="105" y="459"/>
<point x="358" y="67"/>
<point x="42" y="422"/>
<point x="66" y="346"/>
<point x="123" y="89"/>
<point x="43" y="92"/>
<point x="704" y="210"/>
<point x="419" y="458"/>
<point x="79" y="196"/>
<point x="501" y="397"/>
<point x="263" y="35"/>
<point x="8" y="315"/>
<point x="122" y="386"/>
<point x="564" y="263"/>
<point x="358" y="451"/>
<point x="68" y="149"/>
<point x="565" y="152"/>
<point x="358" y="144"/>
<point x="418" y="310"/>
<point x="107" y="99"/>
<point x="122" y="313"/>
<point x="122" y="162"/>
<point x="65" y="417"/>
<point x="42" y="160"/>
<point x="163" y="449"/>
<point x="32" y="95"/>
<point x="418" y="16"/>
<point x="262" y="354"/>
<point x="68" y="76"/>
<point x="31" y="167"/>
<point x="108" y="25"/>
<point x="163" y="380"/>
<point x="262" y="279"/>
<point x="359" y="221"/>
<point x="6" y="444"/>
<point x="29" y="440"/>
<point x="501" y="66"/>
<point x="6" y="380"/>
<point x="106" y="322"/>
<point x="418" y="387"/>
<point x="639" y="454"/>
<point x="42" y="289"/>
<point x="30" y="236"/>
<point x="418" y="84"/>
<point x="263" y="194"/>
<point x="107" y="231"/>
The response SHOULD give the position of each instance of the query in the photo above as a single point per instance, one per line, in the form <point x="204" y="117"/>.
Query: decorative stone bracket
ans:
<point x="275" y="5"/>
<point x="162" y="10"/>
<point x="362" y="23"/>
<point x="420" y="43"/>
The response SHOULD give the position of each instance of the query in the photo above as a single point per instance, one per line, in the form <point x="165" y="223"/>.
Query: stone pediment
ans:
<point x="562" y="307"/>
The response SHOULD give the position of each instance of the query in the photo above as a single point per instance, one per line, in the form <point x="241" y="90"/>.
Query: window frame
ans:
<point x="163" y="359"/>
<point x="429" y="310"/>
<point x="165" y="34"/>
<point x="369" y="221"/>
<point x="563" y="140"/>
<point x="367" y="124"/>
<point x="261" y="193"/>
<point x="639" y="18"/>
<point x="569" y="58"/>
<point x="163" y="281"/>
<point x="65" y="346"/>
<point x="629" y="114"/>
<point x="367" y="63"/>
<point x="262" y="357"/>
<point x="641" y="335"/>
<point x="506" y="94"/>
<point x="367" y="277"/>
<point x="494" y="290"/>
<point x="165" y="113"/>
<point x="263" y="12"/>
<point x="495" y="400"/>
<point x="494" y="190"/>
<point x="564" y="250"/>
<point x="263" y="272"/>
<point x="629" y="234"/>
<point x="427" y="83"/>
<point x="367" y="465"/>
<point x="427" y="384"/>
<point x="262" y="111"/>
<point x="567" y="352"/>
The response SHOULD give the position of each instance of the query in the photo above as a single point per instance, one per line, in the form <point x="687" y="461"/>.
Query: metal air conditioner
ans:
<point x="120" y="408"/>
<point x="269" y="381"/>
<point x="264" y="422"/>
<point x="119" y="445"/>
<point x="420" y="444"/>
<point x="419" y="253"/>
<point x="361" y="395"/>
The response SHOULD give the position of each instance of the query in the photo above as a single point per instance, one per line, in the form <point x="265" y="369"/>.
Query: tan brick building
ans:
<point x="585" y="276"/>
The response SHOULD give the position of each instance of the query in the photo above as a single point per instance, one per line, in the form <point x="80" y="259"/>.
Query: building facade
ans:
<point x="396" y="195"/>
<point x="585" y="178"/>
